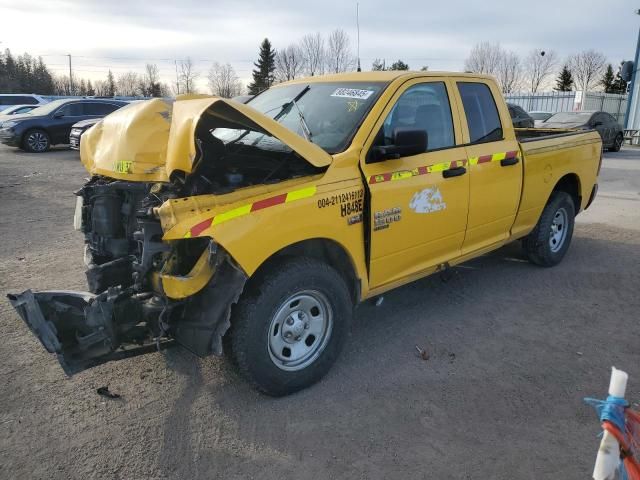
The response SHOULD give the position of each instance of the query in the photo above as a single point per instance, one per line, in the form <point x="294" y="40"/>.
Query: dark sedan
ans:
<point x="519" y="117"/>
<point x="51" y="124"/>
<point x="609" y="129"/>
<point x="78" y="129"/>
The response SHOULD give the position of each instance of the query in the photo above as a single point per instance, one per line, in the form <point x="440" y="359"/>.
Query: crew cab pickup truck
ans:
<point x="254" y="230"/>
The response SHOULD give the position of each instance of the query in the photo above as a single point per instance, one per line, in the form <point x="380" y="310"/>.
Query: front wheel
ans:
<point x="549" y="241"/>
<point x="289" y="328"/>
<point x="36" y="141"/>
<point x="617" y="143"/>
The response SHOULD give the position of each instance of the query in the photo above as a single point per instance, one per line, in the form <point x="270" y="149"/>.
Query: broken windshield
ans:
<point x="331" y="112"/>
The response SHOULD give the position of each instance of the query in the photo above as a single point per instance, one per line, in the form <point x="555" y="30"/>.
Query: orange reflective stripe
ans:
<point x="243" y="210"/>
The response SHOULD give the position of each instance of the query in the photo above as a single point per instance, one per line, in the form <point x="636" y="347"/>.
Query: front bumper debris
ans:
<point x="85" y="330"/>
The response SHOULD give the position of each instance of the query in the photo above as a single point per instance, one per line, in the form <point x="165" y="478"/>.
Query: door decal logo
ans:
<point x="427" y="201"/>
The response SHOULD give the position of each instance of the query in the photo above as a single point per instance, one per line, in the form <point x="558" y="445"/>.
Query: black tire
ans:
<point x="617" y="143"/>
<point x="539" y="245"/>
<point x="255" y="326"/>
<point x="36" y="141"/>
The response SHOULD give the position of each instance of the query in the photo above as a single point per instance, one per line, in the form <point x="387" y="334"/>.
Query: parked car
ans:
<point x="519" y="117"/>
<point x="539" y="117"/>
<point x="9" y="99"/>
<point x="78" y="129"/>
<point x="609" y="129"/>
<point x="51" y="124"/>
<point x="253" y="230"/>
<point x="17" y="109"/>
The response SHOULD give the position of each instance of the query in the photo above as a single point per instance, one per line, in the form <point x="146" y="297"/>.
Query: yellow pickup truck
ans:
<point x="254" y="229"/>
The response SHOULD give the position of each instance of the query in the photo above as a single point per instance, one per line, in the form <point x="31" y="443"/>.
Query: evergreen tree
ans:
<point x="399" y="65"/>
<point x="564" y="82"/>
<point x="111" y="85"/>
<point x="263" y="75"/>
<point x="608" y="80"/>
<point x="82" y="88"/>
<point x="90" y="90"/>
<point x="620" y="86"/>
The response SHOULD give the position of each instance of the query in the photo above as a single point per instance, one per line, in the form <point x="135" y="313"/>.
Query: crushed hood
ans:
<point x="147" y="141"/>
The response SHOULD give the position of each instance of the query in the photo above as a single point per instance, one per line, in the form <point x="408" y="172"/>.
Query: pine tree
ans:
<point x="620" y="86"/>
<point x="263" y="75"/>
<point x="82" y="88"/>
<point x="90" y="90"/>
<point x="399" y="65"/>
<point x="608" y="80"/>
<point x="564" y="82"/>
<point x="111" y="85"/>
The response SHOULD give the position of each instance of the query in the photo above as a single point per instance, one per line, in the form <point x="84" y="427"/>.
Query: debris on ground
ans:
<point x="104" y="392"/>
<point x="423" y="354"/>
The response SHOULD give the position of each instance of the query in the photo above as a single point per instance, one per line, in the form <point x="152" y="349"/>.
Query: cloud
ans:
<point x="126" y="34"/>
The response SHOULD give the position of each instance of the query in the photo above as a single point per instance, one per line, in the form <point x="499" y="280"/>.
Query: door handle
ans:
<point x="505" y="162"/>
<point x="454" y="172"/>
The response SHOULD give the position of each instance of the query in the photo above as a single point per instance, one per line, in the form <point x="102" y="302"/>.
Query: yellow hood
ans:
<point x="147" y="141"/>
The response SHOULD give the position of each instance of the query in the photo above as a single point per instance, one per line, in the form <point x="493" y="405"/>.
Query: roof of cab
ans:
<point x="386" y="76"/>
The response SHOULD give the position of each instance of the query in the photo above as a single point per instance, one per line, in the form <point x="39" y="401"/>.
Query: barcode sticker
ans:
<point x="352" y="93"/>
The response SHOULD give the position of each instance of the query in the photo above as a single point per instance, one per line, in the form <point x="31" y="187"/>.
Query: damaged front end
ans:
<point x="145" y="291"/>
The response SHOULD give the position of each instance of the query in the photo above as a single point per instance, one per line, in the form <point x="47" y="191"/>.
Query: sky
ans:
<point x="124" y="35"/>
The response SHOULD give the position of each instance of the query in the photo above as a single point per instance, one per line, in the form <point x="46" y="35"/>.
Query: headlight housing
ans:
<point x="8" y="124"/>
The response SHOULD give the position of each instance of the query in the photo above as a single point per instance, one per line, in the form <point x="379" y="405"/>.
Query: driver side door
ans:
<point x="418" y="202"/>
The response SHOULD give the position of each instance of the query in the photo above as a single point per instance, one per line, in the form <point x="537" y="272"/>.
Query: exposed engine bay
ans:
<point x="126" y="312"/>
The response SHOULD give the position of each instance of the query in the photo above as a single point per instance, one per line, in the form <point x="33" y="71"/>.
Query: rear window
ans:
<point x="481" y="112"/>
<point x="17" y="100"/>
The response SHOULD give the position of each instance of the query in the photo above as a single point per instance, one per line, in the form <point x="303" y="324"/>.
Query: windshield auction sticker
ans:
<point x="352" y="93"/>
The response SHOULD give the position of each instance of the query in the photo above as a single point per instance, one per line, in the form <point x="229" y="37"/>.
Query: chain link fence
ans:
<point x="613" y="103"/>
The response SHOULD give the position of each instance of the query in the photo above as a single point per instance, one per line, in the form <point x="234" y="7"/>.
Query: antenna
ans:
<point x="358" y="28"/>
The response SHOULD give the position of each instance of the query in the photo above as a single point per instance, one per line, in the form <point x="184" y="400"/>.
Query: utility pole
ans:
<point x="70" y="76"/>
<point x="177" y="80"/>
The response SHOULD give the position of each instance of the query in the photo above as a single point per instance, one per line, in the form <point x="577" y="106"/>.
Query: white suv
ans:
<point x="9" y="99"/>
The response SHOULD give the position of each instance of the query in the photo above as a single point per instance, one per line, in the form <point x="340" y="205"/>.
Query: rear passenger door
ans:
<point x="494" y="165"/>
<point x="62" y="120"/>
<point x="418" y="202"/>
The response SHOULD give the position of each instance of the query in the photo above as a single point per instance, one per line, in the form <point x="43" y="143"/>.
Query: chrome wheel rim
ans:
<point x="558" y="232"/>
<point x="37" y="141"/>
<point x="300" y="330"/>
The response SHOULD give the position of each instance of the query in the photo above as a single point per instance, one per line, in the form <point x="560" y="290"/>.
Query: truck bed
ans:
<point x="533" y="134"/>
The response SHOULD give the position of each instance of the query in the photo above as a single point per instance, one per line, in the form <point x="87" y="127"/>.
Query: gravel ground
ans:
<point x="513" y="350"/>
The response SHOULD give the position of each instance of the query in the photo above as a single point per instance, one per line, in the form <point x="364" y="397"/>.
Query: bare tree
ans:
<point x="509" y="74"/>
<point x="313" y="51"/>
<point x="187" y="76"/>
<point x="587" y="68"/>
<point x="128" y="84"/>
<point x="223" y="81"/>
<point x="101" y="88"/>
<point x="339" y="55"/>
<point x="539" y="65"/>
<point x="290" y="63"/>
<point x="484" y="58"/>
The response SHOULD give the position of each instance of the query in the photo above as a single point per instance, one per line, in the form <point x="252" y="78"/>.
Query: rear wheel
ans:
<point x="289" y="329"/>
<point x="36" y="141"/>
<point x="617" y="143"/>
<point x="549" y="241"/>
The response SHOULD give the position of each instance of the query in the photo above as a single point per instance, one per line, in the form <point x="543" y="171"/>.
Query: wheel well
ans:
<point x="325" y="250"/>
<point x="570" y="184"/>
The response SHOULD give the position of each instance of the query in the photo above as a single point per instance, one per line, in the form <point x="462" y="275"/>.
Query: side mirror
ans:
<point x="407" y="141"/>
<point x="626" y="72"/>
<point x="58" y="114"/>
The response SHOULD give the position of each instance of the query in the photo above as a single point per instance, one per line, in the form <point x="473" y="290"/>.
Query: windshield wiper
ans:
<point x="286" y="108"/>
<point x="303" y="122"/>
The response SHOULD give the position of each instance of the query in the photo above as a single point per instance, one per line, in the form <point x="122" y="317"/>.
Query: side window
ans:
<point x="481" y="112"/>
<point x="72" y="110"/>
<point x="99" y="108"/>
<point x="425" y="107"/>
